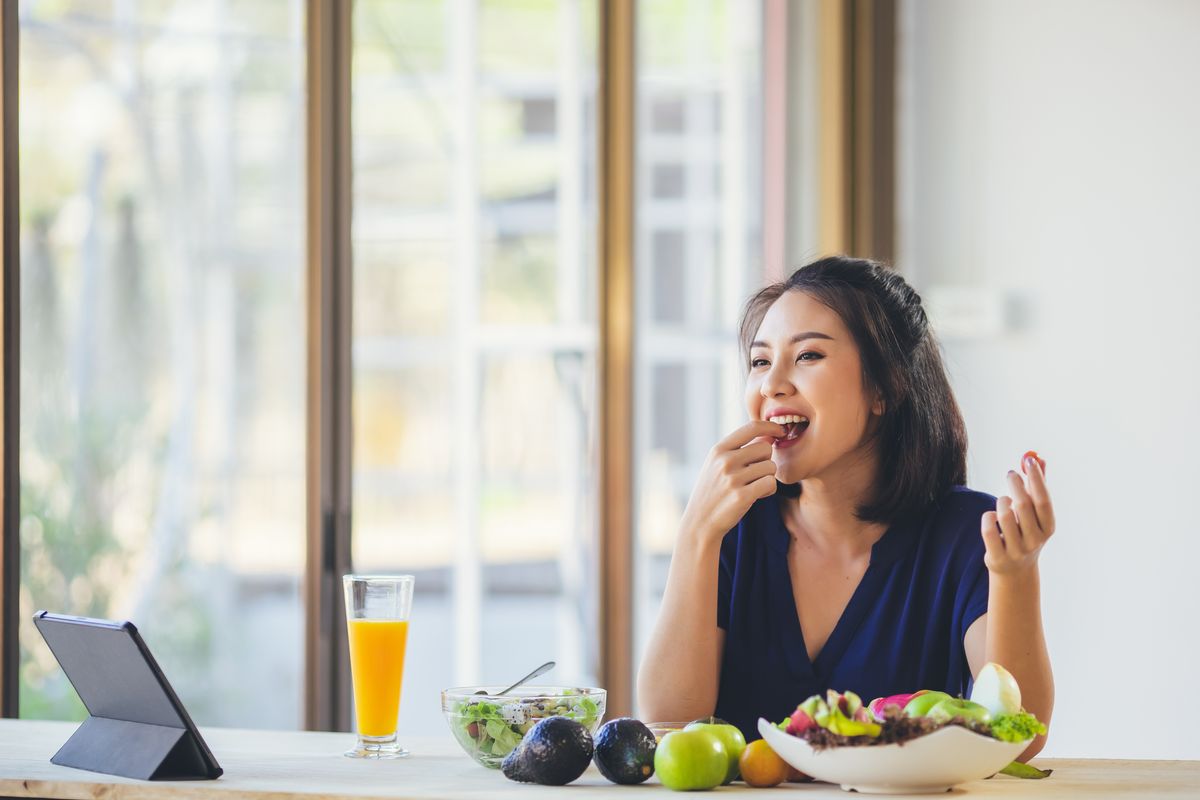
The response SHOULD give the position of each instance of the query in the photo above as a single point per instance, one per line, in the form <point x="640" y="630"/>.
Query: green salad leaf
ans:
<point x="1016" y="727"/>
<point x="1018" y="770"/>
<point x="504" y="738"/>
<point x="473" y="712"/>
<point x="585" y="711"/>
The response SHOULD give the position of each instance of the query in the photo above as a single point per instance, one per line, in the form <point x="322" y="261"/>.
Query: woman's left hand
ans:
<point x="1014" y="534"/>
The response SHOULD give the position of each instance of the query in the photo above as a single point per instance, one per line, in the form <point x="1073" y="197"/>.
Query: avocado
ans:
<point x="555" y="752"/>
<point x="625" y="751"/>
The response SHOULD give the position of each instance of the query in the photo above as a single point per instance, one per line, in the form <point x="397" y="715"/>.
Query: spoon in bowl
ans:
<point x="542" y="670"/>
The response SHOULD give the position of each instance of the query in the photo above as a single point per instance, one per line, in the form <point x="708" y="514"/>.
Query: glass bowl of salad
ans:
<point x="490" y="726"/>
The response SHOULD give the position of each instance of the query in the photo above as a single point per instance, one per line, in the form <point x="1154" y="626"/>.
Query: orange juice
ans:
<point x="377" y="666"/>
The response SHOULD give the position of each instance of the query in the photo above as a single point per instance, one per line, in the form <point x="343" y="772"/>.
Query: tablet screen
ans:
<point x="108" y="669"/>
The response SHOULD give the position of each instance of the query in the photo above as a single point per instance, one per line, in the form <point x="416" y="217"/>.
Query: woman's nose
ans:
<point x="776" y="383"/>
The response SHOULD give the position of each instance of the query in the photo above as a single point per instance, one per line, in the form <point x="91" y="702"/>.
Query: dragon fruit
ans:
<point x="877" y="705"/>
<point x="840" y="713"/>
<point x="804" y="717"/>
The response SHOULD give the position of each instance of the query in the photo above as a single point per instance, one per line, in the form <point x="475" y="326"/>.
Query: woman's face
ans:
<point x="804" y="363"/>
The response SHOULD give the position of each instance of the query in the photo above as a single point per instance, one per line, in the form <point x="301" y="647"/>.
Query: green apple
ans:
<point x="996" y="689"/>
<point x="708" y="721"/>
<point x="953" y="707"/>
<point x="919" y="706"/>
<point x="689" y="760"/>
<point x="731" y="737"/>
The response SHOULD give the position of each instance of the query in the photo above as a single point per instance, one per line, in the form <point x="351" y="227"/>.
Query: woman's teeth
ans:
<point x="793" y="424"/>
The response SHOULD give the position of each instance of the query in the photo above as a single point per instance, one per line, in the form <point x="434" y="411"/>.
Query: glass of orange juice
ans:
<point x="377" y="608"/>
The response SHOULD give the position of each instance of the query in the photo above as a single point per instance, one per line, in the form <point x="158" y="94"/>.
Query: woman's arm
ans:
<point x="681" y="669"/>
<point x="1011" y="633"/>
<point x="682" y="665"/>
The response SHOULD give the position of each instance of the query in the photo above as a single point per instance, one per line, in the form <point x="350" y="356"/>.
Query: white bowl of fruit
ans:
<point x="907" y="744"/>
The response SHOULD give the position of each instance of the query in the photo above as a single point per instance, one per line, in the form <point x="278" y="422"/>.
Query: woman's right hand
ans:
<point x="737" y="472"/>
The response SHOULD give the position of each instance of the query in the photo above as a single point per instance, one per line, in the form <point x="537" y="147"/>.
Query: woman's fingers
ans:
<point x="1040" y="495"/>
<point x="1009" y="529"/>
<point x="993" y="545"/>
<point x="756" y="452"/>
<point x="759" y="469"/>
<point x="748" y="433"/>
<point x="764" y="487"/>
<point x="1023" y="507"/>
<point x="1015" y="532"/>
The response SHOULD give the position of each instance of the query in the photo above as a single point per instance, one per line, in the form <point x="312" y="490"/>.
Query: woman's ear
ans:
<point x="878" y="407"/>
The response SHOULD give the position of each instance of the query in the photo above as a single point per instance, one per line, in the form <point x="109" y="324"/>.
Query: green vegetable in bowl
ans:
<point x="494" y="729"/>
<point x="481" y="726"/>
<point x="1016" y="727"/>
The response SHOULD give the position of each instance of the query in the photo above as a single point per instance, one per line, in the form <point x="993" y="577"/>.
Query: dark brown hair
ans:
<point x="921" y="438"/>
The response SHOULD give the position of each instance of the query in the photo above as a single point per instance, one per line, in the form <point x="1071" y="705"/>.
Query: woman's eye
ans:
<point x="809" y="355"/>
<point x="758" y="362"/>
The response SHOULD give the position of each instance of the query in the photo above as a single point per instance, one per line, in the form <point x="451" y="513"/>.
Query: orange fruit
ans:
<point x="761" y="766"/>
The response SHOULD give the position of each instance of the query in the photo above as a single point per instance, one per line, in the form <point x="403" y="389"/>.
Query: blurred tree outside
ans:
<point x="162" y="341"/>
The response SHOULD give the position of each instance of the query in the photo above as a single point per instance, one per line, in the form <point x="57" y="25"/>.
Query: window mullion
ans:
<point x="10" y="346"/>
<point x="327" y="673"/>
<point x="617" y="57"/>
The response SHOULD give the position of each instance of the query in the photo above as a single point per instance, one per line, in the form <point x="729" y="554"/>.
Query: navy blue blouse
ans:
<point x="901" y="631"/>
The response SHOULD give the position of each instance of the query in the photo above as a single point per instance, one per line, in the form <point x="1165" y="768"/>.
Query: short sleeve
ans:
<point x="975" y="600"/>
<point x="971" y="598"/>
<point x="725" y="569"/>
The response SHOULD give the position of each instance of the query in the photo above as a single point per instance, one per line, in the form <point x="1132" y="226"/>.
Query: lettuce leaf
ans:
<point x="1016" y="727"/>
<point x="1018" y="770"/>
<point x="585" y="711"/>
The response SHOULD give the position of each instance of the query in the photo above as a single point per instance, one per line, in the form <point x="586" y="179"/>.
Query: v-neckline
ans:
<point x="795" y="647"/>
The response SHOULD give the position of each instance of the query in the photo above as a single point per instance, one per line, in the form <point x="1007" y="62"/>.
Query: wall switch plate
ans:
<point x="967" y="312"/>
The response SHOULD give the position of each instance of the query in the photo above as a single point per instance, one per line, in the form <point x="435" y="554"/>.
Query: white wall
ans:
<point x="1052" y="154"/>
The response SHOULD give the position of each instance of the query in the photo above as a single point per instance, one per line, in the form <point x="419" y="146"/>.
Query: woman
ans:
<point x="832" y="535"/>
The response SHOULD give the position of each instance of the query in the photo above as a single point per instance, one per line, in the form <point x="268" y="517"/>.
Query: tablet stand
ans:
<point x="133" y="750"/>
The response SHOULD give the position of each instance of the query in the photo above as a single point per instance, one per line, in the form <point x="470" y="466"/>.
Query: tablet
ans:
<point x="135" y="715"/>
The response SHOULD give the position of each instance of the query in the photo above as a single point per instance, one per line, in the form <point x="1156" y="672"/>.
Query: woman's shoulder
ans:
<point x="959" y="502"/>
<point x="953" y="521"/>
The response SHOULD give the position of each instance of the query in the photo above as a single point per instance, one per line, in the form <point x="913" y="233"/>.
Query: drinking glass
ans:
<point x="377" y="608"/>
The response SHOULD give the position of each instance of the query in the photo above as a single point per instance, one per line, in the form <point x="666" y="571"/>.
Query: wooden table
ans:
<point x="269" y="765"/>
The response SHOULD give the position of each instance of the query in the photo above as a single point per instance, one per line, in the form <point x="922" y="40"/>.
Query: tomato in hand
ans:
<point x="1032" y="454"/>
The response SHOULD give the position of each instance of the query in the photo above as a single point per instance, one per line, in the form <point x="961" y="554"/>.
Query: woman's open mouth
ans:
<point x="793" y="426"/>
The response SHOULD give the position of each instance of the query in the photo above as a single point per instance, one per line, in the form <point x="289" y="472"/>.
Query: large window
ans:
<point x="475" y="333"/>
<point x="164" y="324"/>
<point x="162" y="342"/>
